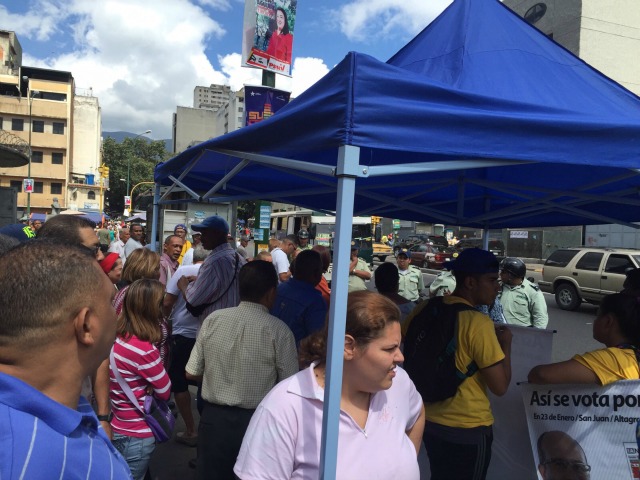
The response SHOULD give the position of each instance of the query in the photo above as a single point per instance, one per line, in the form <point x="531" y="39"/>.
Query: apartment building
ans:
<point x="62" y="126"/>
<point x="213" y="97"/>
<point x="603" y="33"/>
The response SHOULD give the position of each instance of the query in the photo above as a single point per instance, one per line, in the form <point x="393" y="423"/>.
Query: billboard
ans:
<point x="262" y="102"/>
<point x="585" y="430"/>
<point x="268" y="34"/>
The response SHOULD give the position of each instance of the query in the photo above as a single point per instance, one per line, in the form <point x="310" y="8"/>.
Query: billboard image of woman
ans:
<point x="268" y="39"/>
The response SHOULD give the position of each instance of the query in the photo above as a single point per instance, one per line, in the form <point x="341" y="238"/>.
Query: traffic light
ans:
<point x="105" y="171"/>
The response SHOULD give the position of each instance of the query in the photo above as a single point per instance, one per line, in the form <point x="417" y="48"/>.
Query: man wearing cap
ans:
<point x="458" y="432"/>
<point x="522" y="301"/>
<point x="19" y="231"/>
<point x="181" y="231"/>
<point x="411" y="282"/>
<point x="216" y="285"/>
<point x="359" y="271"/>
<point x="303" y="240"/>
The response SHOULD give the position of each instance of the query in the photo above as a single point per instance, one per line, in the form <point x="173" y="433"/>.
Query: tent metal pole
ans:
<point x="154" y="224"/>
<point x="184" y="173"/>
<point x="347" y="171"/>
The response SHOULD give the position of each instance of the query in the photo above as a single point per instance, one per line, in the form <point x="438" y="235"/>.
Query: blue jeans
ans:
<point x="136" y="451"/>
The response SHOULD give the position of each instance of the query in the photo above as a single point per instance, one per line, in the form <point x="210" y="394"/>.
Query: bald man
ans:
<point x="561" y="457"/>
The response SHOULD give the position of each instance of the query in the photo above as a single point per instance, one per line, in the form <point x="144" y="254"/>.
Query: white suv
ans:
<point x="584" y="273"/>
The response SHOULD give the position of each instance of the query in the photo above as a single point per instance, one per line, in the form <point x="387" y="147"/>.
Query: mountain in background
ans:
<point x="120" y="136"/>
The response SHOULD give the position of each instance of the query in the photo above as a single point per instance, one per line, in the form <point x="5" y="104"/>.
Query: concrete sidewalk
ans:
<point x="170" y="460"/>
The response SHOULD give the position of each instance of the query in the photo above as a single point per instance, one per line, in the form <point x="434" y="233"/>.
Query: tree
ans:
<point x="140" y="157"/>
<point x="246" y="210"/>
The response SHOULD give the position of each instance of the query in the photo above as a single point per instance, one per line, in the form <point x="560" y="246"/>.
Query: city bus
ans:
<point x="321" y="229"/>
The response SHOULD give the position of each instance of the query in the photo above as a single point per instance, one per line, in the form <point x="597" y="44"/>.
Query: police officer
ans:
<point x="411" y="282"/>
<point x="522" y="300"/>
<point x="303" y="240"/>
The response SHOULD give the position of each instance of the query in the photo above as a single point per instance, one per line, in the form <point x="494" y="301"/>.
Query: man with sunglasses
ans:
<point x="78" y="231"/>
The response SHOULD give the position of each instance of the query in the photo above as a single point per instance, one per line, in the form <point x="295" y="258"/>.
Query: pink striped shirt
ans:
<point x="140" y="365"/>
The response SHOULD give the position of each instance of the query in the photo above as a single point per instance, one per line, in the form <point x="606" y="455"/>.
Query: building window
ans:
<point x="36" y="157"/>
<point x="58" y="128"/>
<point x="56" y="158"/>
<point x="0" y="123"/>
<point x="17" y="184"/>
<point x="38" y="187"/>
<point x="17" y="124"/>
<point x="91" y="195"/>
<point x="56" y="189"/>
<point x="38" y="126"/>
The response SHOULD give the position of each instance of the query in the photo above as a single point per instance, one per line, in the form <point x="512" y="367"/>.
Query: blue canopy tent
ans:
<point x="480" y="121"/>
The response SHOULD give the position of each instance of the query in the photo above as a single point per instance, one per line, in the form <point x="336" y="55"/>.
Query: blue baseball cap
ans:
<point x="18" y="231"/>
<point x="474" y="260"/>
<point x="180" y="225"/>
<point x="403" y="251"/>
<point x="214" y="222"/>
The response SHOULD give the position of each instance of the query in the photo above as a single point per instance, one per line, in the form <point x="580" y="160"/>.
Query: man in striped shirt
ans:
<point x="216" y="285"/>
<point x="47" y="430"/>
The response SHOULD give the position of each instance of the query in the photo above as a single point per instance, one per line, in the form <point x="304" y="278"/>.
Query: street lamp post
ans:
<point x="131" y="194"/>
<point x="129" y="161"/>
<point x="30" y="94"/>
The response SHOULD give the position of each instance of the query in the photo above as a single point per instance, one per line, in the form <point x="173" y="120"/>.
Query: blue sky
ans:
<point x="142" y="58"/>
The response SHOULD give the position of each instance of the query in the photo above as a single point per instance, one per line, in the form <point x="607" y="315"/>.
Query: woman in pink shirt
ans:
<point x="381" y="412"/>
<point x="138" y="361"/>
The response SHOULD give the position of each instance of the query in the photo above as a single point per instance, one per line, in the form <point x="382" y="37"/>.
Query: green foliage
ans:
<point x="246" y="210"/>
<point x="140" y="156"/>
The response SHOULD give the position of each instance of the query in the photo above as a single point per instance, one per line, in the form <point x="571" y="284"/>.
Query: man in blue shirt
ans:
<point x="298" y="303"/>
<point x="57" y="325"/>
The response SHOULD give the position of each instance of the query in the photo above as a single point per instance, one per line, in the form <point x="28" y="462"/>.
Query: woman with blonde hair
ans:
<point x="137" y="361"/>
<point x="381" y="412"/>
<point x="141" y="263"/>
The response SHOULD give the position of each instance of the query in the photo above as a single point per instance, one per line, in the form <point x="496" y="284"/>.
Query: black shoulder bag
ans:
<point x="197" y="310"/>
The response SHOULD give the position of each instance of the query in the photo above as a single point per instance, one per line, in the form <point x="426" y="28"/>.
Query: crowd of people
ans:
<point x="120" y="323"/>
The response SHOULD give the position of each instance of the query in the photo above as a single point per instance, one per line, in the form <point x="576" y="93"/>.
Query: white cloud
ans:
<point x="363" y="19"/>
<point x="142" y="60"/>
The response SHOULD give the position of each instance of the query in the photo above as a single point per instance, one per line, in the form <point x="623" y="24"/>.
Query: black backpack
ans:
<point x="430" y="350"/>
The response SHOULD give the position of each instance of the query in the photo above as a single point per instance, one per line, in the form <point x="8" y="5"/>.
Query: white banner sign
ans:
<point x="581" y="428"/>
<point x="511" y="456"/>
<point x="518" y="234"/>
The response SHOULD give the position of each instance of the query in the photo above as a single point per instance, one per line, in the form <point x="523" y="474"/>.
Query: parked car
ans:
<point x="426" y="255"/>
<point x="586" y="274"/>
<point x="495" y="246"/>
<point x="411" y="240"/>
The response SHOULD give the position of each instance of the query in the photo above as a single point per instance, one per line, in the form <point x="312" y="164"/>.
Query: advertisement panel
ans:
<point x="584" y="429"/>
<point x="262" y="102"/>
<point x="268" y="28"/>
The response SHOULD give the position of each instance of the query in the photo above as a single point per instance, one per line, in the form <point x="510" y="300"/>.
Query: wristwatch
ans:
<point x="106" y="418"/>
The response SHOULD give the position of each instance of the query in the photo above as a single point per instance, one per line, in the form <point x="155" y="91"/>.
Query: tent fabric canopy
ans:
<point x="477" y="85"/>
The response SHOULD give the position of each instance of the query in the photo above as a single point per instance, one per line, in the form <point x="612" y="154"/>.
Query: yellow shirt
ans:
<point x="477" y="341"/>
<point x="611" y="364"/>
<point x="185" y="247"/>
